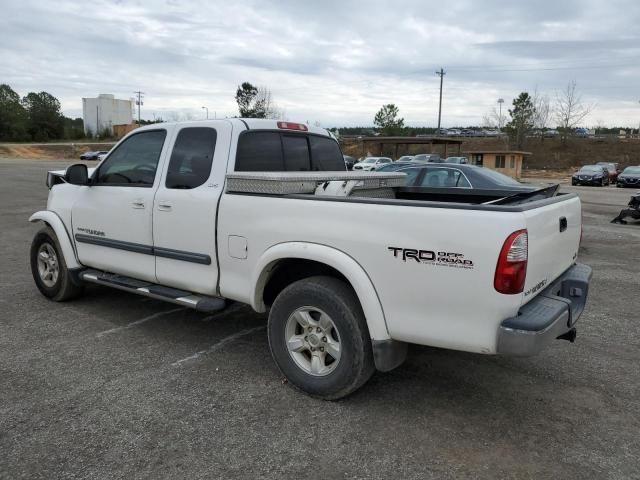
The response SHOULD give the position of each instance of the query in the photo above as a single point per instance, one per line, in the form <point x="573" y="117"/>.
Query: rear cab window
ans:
<point x="277" y="151"/>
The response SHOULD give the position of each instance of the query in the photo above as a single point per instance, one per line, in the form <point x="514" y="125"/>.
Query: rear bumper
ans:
<point x="553" y="313"/>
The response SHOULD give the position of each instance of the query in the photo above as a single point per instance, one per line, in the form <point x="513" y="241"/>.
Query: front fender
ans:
<point x="54" y="221"/>
<point x="346" y="265"/>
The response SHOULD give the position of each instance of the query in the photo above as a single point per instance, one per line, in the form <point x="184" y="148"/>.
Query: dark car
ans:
<point x="92" y="155"/>
<point x="613" y="168"/>
<point x="630" y="177"/>
<point x="461" y="176"/>
<point x="427" y="157"/>
<point x="349" y="162"/>
<point x="591" y="175"/>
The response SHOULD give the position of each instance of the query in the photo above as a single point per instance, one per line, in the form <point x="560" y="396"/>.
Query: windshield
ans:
<point x="632" y="170"/>
<point x="591" y="169"/>
<point x="369" y="160"/>
<point x="609" y="166"/>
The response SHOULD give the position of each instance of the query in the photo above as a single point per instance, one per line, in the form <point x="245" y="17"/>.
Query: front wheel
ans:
<point x="319" y="338"/>
<point x="49" y="270"/>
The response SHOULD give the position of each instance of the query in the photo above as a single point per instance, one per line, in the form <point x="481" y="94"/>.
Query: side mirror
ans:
<point x="77" y="174"/>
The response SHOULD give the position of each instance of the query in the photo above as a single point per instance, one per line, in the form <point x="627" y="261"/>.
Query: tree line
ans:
<point x="35" y="117"/>
<point x="528" y="114"/>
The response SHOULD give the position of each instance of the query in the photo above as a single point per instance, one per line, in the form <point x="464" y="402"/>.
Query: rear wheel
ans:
<point x="49" y="270"/>
<point x="319" y="338"/>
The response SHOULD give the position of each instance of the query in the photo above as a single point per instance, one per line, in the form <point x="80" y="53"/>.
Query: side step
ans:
<point x="202" y="303"/>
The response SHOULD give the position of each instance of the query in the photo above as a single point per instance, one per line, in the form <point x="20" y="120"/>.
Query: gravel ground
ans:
<point x="114" y="385"/>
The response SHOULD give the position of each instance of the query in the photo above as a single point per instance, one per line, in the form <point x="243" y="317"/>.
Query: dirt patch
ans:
<point x="50" y="151"/>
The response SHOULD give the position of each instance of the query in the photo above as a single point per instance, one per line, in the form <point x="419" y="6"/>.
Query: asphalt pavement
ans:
<point x="114" y="385"/>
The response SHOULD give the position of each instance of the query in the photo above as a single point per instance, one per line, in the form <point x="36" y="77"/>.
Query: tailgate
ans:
<point x="554" y="237"/>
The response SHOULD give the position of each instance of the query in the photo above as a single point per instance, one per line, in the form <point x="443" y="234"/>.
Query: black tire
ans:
<point x="339" y="301"/>
<point x="63" y="288"/>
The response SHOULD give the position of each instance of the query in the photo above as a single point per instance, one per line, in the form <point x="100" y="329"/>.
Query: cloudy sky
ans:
<point x="333" y="62"/>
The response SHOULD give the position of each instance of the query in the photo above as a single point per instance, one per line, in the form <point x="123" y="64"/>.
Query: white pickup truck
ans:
<point x="350" y="266"/>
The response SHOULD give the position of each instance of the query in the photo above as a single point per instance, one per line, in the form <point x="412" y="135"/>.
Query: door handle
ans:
<point x="137" y="203"/>
<point x="164" y="206"/>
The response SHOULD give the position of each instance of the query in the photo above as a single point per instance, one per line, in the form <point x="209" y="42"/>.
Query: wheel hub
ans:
<point x="48" y="267"/>
<point x="313" y="341"/>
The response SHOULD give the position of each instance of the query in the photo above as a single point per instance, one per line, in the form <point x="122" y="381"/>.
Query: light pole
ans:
<point x="205" y="108"/>
<point x="441" y="74"/>
<point x="500" y="102"/>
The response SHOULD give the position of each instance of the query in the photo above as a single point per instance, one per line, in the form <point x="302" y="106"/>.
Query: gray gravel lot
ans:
<point x="86" y="392"/>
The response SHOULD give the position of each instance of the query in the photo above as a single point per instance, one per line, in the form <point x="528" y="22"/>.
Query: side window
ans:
<point x="296" y="153"/>
<point x="325" y="154"/>
<point x="134" y="162"/>
<point x="412" y="175"/>
<point x="191" y="159"/>
<point x="259" y="152"/>
<point x="445" y="178"/>
<point x="434" y="178"/>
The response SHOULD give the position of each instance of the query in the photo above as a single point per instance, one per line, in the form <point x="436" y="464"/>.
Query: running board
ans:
<point x="202" y="303"/>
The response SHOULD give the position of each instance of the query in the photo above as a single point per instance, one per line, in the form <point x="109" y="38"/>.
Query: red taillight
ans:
<point x="293" y="126"/>
<point x="511" y="270"/>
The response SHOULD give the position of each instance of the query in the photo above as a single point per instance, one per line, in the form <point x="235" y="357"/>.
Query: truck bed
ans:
<point x="382" y="187"/>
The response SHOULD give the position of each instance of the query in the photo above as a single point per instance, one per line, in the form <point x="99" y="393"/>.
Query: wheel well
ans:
<point x="290" y="270"/>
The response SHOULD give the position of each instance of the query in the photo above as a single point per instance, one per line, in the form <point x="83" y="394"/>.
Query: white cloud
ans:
<point x="335" y="62"/>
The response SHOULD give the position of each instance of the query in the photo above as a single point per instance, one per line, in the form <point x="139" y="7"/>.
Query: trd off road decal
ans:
<point x="431" y="257"/>
<point x="90" y="231"/>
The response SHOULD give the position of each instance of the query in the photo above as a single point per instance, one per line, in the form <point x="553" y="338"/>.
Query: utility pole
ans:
<point x="139" y="97"/>
<point x="441" y="74"/>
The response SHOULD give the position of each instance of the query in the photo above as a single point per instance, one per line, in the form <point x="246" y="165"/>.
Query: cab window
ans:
<point x="192" y="157"/>
<point x="134" y="162"/>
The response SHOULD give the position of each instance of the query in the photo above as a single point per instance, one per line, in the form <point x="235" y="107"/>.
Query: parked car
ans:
<point x="405" y="158"/>
<point x="427" y="157"/>
<point x="236" y="220"/>
<point x="349" y="162"/>
<point x="371" y="163"/>
<point x="453" y="132"/>
<point x="612" y="168"/>
<point x="459" y="160"/>
<point x="461" y="176"/>
<point x="552" y="133"/>
<point x="102" y="156"/>
<point x="92" y="155"/>
<point x="591" y="175"/>
<point x="392" y="167"/>
<point x="581" y="132"/>
<point x="630" y="177"/>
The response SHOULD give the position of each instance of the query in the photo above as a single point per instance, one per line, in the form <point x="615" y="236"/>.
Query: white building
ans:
<point x="104" y="112"/>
